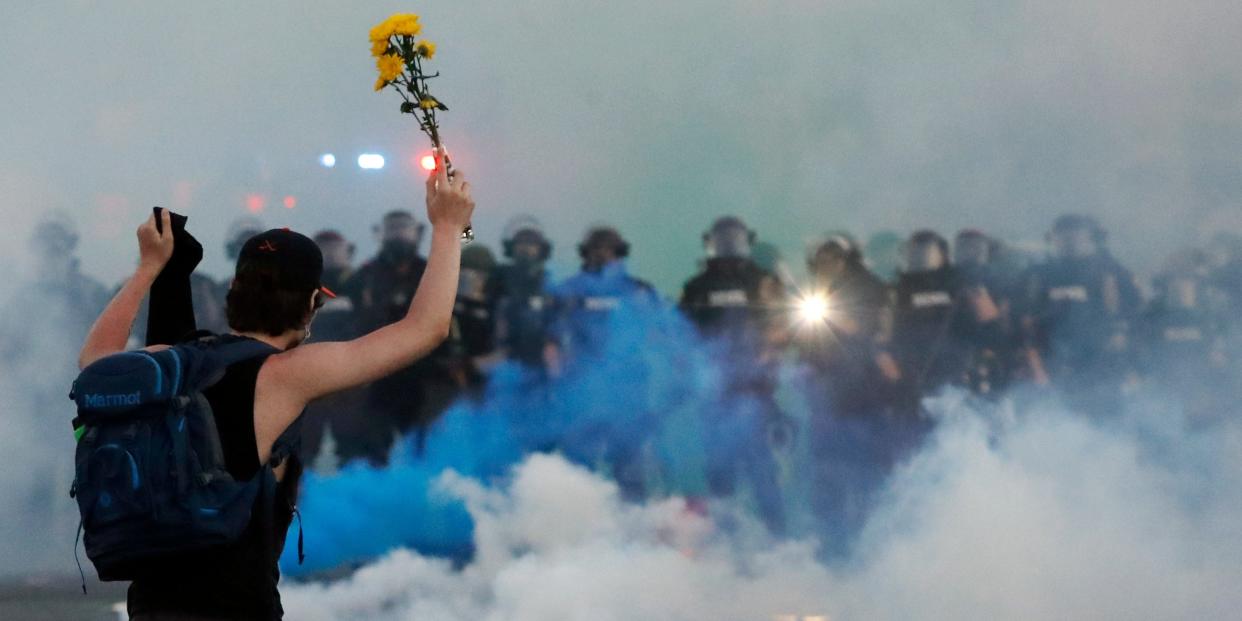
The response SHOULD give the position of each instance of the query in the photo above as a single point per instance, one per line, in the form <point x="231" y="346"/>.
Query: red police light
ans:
<point x="255" y="203"/>
<point x="428" y="162"/>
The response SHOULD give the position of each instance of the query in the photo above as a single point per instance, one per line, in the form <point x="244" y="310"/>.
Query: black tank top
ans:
<point x="237" y="581"/>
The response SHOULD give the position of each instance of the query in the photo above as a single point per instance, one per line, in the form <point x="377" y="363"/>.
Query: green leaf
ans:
<point x="408" y="107"/>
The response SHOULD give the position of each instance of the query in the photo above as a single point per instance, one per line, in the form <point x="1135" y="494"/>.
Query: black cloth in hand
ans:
<point x="170" y="314"/>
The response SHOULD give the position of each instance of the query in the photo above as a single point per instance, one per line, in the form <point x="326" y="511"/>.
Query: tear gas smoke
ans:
<point x="1004" y="514"/>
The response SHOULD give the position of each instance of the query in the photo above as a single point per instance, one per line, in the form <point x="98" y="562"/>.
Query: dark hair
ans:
<point x="254" y="304"/>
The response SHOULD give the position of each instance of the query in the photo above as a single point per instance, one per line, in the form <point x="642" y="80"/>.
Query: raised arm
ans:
<point x="311" y="371"/>
<point x="111" y="330"/>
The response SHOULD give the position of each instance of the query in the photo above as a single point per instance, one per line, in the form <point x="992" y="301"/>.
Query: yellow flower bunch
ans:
<point x="399" y="61"/>
<point x="404" y="24"/>
<point x="390" y="66"/>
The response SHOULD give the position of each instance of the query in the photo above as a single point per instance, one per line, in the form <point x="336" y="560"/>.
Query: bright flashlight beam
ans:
<point x="428" y="162"/>
<point x="370" y="161"/>
<point x="814" y="309"/>
<point x="327" y="160"/>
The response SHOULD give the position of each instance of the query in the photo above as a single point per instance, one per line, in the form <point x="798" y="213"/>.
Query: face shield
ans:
<point x="829" y="262"/>
<point x="728" y="243"/>
<point x="1076" y="243"/>
<point x="601" y="247"/>
<point x="924" y="255"/>
<point x="400" y="230"/>
<point x="528" y="247"/>
<point x="972" y="251"/>
<point x="337" y="254"/>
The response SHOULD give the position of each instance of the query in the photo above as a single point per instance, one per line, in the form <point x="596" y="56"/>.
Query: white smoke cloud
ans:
<point x="1041" y="515"/>
<point x="556" y="542"/>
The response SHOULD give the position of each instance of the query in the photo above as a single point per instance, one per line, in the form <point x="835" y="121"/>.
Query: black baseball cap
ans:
<point x="296" y="259"/>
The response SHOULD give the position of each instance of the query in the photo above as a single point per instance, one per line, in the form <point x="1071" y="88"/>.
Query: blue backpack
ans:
<point x="150" y="479"/>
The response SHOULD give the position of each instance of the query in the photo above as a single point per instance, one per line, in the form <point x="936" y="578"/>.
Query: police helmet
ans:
<point x="915" y="251"/>
<point x="525" y="229"/>
<point x="604" y="235"/>
<point x="728" y="237"/>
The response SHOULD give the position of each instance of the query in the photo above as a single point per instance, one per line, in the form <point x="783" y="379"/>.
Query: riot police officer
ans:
<point x="335" y="321"/>
<point x="1077" y="311"/>
<point x="384" y="287"/>
<point x="591" y="305"/>
<point x="984" y="278"/>
<point x="524" y="302"/>
<point x="1182" y="343"/>
<point x="474" y="317"/>
<point x="841" y="322"/>
<point x="587" y="300"/>
<point x="737" y="307"/>
<point x="940" y="321"/>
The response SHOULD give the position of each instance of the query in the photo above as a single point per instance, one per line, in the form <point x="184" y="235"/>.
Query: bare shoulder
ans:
<point x="304" y="373"/>
<point x="278" y="399"/>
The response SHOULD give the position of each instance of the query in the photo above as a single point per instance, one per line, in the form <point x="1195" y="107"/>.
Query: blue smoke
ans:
<point x="645" y="384"/>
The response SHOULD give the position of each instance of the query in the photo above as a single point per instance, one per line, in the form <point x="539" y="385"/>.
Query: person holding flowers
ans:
<point x="273" y="298"/>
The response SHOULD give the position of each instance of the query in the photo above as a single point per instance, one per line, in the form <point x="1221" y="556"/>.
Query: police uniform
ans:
<point x="589" y="305"/>
<point x="734" y="302"/>
<point x="384" y="290"/>
<point x="524" y="313"/>
<point x="1077" y="315"/>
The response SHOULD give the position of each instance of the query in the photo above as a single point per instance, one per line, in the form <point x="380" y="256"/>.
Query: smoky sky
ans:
<point x="800" y="116"/>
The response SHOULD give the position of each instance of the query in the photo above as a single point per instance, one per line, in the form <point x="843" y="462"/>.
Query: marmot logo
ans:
<point x="112" y="401"/>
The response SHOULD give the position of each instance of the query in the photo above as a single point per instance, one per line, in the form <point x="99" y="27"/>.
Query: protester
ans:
<point x="272" y="301"/>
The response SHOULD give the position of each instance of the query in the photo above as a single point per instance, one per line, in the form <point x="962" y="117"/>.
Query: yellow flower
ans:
<point x="390" y="66"/>
<point x="381" y="31"/>
<point x="380" y="84"/>
<point x="379" y="48"/>
<point x="425" y="48"/>
<point x="405" y="24"/>
<point x="428" y="103"/>
<point x="398" y="24"/>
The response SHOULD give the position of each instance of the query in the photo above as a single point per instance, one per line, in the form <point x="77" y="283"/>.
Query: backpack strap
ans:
<point x="230" y="353"/>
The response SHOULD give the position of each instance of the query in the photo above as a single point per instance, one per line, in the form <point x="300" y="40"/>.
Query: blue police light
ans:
<point x="327" y="160"/>
<point x="370" y="161"/>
